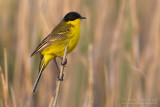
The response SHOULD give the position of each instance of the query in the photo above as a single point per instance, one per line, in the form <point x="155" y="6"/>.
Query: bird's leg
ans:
<point x="56" y="65"/>
<point x="63" y="63"/>
<point x="61" y="79"/>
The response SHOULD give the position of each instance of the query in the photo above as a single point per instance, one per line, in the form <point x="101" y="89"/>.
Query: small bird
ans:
<point x="66" y="33"/>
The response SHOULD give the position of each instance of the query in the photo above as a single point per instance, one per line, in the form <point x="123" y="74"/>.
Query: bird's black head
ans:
<point x="71" y="16"/>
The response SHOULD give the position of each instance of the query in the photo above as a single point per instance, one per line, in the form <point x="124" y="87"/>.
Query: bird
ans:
<point x="66" y="33"/>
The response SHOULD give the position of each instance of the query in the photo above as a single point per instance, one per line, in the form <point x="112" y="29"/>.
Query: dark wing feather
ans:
<point x="54" y="36"/>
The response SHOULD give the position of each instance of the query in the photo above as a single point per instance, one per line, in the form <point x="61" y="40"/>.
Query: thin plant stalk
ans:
<point x="60" y="76"/>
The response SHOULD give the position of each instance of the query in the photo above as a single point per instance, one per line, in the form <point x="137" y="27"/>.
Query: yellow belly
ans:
<point x="71" y="40"/>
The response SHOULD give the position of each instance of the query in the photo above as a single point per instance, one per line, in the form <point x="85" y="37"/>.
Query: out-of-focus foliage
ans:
<point x="116" y="62"/>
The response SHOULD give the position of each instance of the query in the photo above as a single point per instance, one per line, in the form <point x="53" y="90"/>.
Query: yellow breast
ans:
<point x="71" y="40"/>
<point x="74" y="37"/>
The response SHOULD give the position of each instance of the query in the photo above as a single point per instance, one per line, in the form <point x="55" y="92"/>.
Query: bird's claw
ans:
<point x="64" y="62"/>
<point x="60" y="78"/>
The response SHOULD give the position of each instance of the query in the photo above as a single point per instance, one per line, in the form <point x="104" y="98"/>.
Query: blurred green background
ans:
<point x="116" y="63"/>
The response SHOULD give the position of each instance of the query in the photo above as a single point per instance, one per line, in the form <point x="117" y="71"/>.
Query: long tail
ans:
<point x="43" y="63"/>
<point x="41" y="68"/>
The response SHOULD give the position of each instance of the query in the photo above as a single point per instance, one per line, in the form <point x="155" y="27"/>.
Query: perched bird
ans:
<point x="66" y="33"/>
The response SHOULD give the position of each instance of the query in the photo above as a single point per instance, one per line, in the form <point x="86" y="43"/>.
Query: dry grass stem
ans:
<point x="13" y="98"/>
<point x="129" y="95"/>
<point x="61" y="77"/>
<point x="121" y="62"/>
<point x="107" y="87"/>
<point x="51" y="101"/>
<point x="4" y="78"/>
<point x="90" y="77"/>
<point x="4" y="87"/>
<point x="6" y="68"/>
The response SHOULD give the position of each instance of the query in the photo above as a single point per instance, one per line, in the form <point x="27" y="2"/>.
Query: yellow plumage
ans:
<point x="67" y="33"/>
<point x="70" y="39"/>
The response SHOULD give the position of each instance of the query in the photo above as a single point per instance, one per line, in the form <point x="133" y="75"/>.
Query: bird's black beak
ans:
<point x="82" y="17"/>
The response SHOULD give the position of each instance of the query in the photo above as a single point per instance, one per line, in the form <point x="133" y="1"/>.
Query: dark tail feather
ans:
<point x="36" y="83"/>
<point x="33" y="53"/>
<point x="39" y="75"/>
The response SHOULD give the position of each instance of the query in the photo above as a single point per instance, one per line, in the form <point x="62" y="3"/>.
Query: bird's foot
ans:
<point x="60" y="78"/>
<point x="64" y="62"/>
